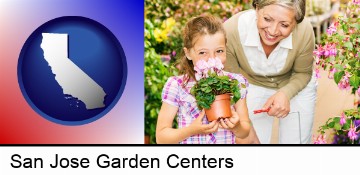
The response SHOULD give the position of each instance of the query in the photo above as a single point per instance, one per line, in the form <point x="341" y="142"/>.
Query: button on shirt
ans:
<point x="250" y="40"/>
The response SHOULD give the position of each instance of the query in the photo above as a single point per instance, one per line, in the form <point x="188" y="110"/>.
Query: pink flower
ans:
<point x="317" y="60"/>
<point x="331" y="73"/>
<point x="356" y="2"/>
<point x="351" y="31"/>
<point x="198" y="76"/>
<point x="165" y="57"/>
<point x="211" y="63"/>
<point x="352" y="133"/>
<point x="201" y="69"/>
<point x="320" y="139"/>
<point x="342" y="119"/>
<point x="330" y="50"/>
<point x="331" y="30"/>
<point x="206" y="7"/>
<point x="344" y="82"/>
<point x="358" y="91"/>
<point x="218" y="64"/>
<point x="317" y="73"/>
<point x="319" y="51"/>
<point x="201" y="65"/>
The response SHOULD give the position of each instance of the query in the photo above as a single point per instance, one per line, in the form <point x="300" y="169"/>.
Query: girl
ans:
<point x="204" y="38"/>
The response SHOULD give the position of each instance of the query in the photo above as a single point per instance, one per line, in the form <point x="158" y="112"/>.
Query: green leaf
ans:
<point x="338" y="76"/>
<point x="357" y="116"/>
<point x="357" y="26"/>
<point x="336" y="119"/>
<point x="349" y="45"/>
<point x="337" y="126"/>
<point x="348" y="122"/>
<point x="243" y="85"/>
<point x="331" y="124"/>
<point x="193" y="90"/>
<point x="354" y="81"/>
<point x="339" y="67"/>
<point x="325" y="127"/>
<point x="346" y="126"/>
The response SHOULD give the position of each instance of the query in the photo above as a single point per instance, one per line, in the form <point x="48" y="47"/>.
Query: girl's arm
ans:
<point x="166" y="134"/>
<point x="239" y="123"/>
<point x="251" y="139"/>
<point x="243" y="128"/>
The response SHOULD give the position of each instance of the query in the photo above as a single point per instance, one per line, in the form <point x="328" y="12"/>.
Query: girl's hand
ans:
<point x="199" y="128"/>
<point x="230" y="123"/>
<point x="280" y="105"/>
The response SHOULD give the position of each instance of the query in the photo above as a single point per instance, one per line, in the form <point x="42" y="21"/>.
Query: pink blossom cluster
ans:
<point x="344" y="83"/>
<point x="324" y="51"/>
<point x="327" y="50"/>
<point x="340" y="48"/>
<point x="331" y="73"/>
<point x="333" y="27"/>
<point x="356" y="2"/>
<point x="212" y="65"/>
<point x="352" y="134"/>
<point x="320" y="139"/>
<point x="342" y="119"/>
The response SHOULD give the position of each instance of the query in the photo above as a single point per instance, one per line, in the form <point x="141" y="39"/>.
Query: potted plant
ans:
<point x="339" y="53"/>
<point x="214" y="91"/>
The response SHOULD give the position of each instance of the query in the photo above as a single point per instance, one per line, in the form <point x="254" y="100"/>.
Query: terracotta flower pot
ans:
<point x="146" y="139"/>
<point x="220" y="108"/>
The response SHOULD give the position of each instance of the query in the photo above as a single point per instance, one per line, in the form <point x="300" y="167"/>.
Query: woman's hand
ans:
<point x="279" y="104"/>
<point x="197" y="127"/>
<point x="230" y="123"/>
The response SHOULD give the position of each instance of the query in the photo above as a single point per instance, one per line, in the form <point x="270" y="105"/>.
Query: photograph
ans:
<point x="290" y="71"/>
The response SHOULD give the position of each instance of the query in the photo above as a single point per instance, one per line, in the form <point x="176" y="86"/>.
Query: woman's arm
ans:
<point x="166" y="134"/>
<point x="303" y="64"/>
<point x="301" y="73"/>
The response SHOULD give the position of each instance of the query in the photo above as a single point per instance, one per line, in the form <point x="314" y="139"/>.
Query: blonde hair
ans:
<point x="297" y="5"/>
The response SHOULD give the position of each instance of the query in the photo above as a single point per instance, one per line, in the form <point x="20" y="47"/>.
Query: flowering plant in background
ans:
<point x="211" y="81"/>
<point x="339" y="54"/>
<point x="346" y="127"/>
<point x="169" y="16"/>
<point x="340" y="51"/>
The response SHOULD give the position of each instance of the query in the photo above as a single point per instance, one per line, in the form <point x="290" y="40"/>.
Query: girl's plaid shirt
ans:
<point x="175" y="94"/>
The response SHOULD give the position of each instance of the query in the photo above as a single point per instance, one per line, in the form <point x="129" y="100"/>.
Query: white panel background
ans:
<point x="247" y="160"/>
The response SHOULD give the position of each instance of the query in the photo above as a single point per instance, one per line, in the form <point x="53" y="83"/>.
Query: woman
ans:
<point x="272" y="46"/>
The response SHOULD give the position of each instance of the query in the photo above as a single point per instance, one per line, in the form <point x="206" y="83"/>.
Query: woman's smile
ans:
<point x="270" y="37"/>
